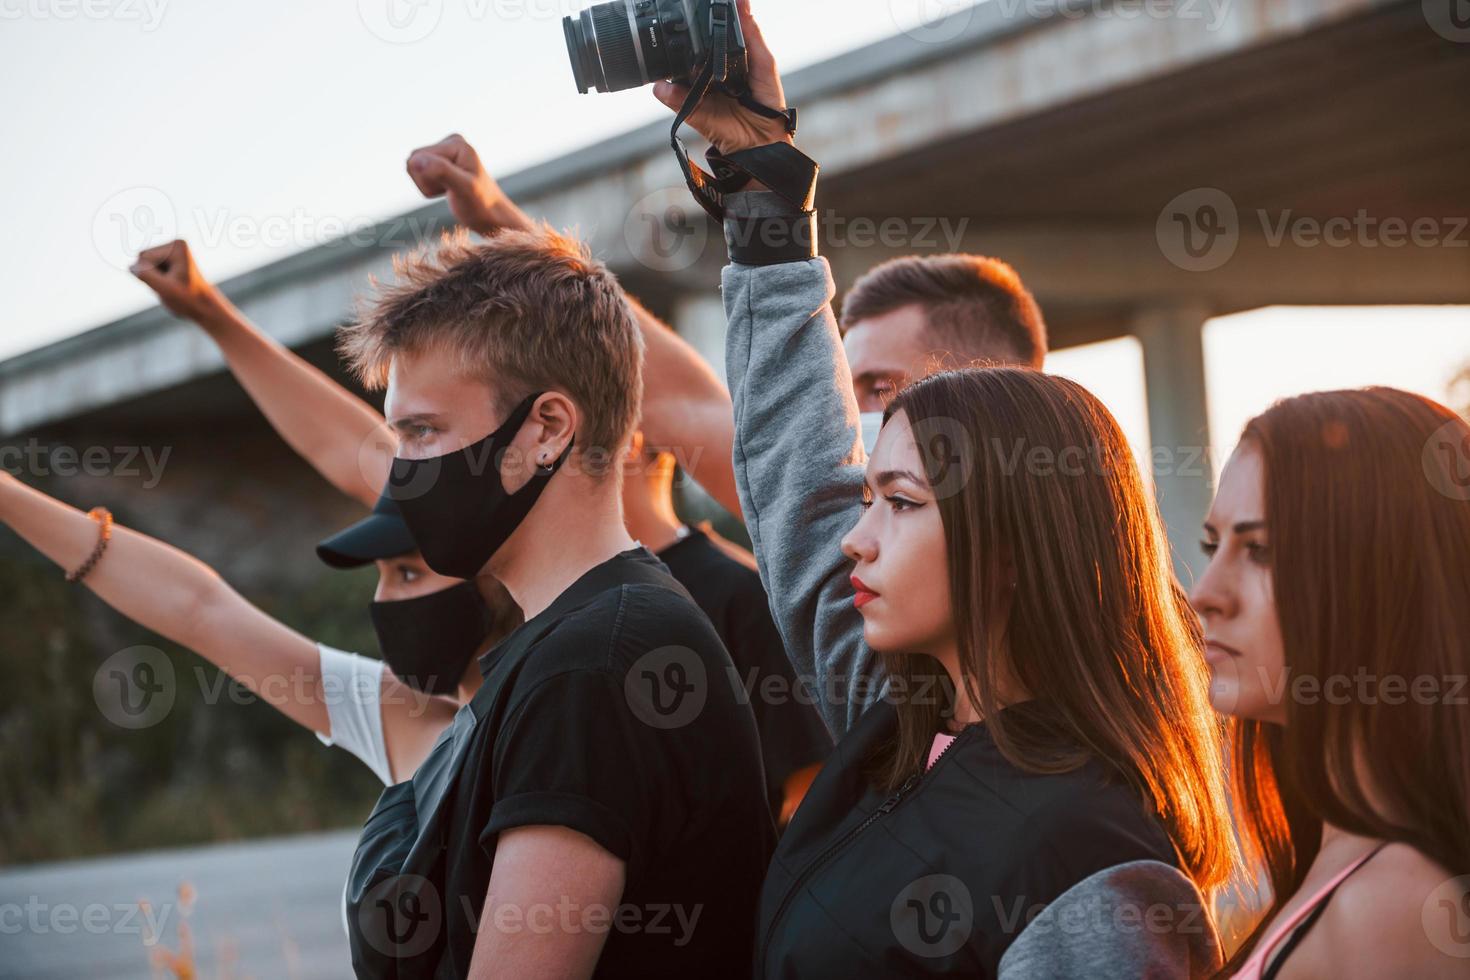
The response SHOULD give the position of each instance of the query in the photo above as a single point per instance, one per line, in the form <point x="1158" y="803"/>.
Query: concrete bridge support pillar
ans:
<point x="1178" y="415"/>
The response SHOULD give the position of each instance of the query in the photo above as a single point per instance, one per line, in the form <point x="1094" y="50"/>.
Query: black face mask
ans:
<point x="428" y="641"/>
<point x="456" y="506"/>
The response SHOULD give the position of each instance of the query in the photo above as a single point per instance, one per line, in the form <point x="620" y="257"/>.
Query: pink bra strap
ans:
<point x="1264" y="954"/>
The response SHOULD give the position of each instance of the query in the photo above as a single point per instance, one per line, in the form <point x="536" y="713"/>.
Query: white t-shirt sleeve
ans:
<point x="352" y="686"/>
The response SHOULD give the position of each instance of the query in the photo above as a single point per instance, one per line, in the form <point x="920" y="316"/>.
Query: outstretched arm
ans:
<point x="181" y="598"/>
<point x="798" y="455"/>
<point x="339" y="434"/>
<point x="686" y="408"/>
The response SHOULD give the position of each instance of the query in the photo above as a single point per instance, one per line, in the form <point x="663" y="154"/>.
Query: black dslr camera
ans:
<point x="629" y="43"/>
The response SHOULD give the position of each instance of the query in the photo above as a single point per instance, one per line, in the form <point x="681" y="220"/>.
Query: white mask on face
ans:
<point x="872" y="425"/>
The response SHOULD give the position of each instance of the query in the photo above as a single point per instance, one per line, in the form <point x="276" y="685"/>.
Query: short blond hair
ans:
<point x="525" y="311"/>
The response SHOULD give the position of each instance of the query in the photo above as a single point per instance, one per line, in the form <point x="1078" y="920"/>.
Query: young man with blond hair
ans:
<point x="721" y="577"/>
<point x="613" y="781"/>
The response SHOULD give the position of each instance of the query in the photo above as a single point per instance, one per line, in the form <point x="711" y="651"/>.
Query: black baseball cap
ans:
<point x="382" y="534"/>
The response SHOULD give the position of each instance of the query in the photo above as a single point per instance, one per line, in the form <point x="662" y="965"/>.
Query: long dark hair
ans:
<point x="1368" y="509"/>
<point x="1033" y="474"/>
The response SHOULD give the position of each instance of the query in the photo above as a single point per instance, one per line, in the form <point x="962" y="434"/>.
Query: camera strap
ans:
<point x="780" y="166"/>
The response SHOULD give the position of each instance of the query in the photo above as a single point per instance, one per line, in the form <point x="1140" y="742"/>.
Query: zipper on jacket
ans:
<point x="887" y="806"/>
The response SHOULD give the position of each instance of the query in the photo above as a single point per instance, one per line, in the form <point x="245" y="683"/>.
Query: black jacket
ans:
<point x="941" y="876"/>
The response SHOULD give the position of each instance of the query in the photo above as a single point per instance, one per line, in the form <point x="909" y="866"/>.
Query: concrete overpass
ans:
<point x="1144" y="165"/>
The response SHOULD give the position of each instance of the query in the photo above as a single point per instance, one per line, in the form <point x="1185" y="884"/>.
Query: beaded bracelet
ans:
<point x="103" y="517"/>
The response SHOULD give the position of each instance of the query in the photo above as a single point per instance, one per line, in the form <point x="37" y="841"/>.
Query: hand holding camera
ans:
<point x="721" y="119"/>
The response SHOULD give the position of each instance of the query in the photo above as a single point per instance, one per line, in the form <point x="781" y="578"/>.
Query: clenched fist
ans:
<point x="169" y="270"/>
<point x="452" y="168"/>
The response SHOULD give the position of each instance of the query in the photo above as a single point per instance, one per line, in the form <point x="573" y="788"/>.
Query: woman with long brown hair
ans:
<point x="1047" y="739"/>
<point x="1040" y="793"/>
<point x="1339" y="638"/>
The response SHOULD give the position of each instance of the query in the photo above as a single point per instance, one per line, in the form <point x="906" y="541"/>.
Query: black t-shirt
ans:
<point x="729" y="591"/>
<point x="607" y="714"/>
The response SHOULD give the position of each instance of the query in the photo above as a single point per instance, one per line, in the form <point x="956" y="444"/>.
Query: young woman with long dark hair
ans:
<point x="1041" y="790"/>
<point x="1046" y="741"/>
<point x="1339" y="638"/>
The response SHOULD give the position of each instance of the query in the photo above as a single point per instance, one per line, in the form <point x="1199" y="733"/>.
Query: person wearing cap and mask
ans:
<point x="430" y="630"/>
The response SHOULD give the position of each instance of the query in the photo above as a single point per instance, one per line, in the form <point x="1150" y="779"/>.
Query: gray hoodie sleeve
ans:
<point x="1143" y="919"/>
<point x="799" y="465"/>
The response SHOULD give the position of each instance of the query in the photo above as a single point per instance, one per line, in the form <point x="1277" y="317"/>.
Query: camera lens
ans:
<point x="628" y="43"/>
<point x="604" y="52"/>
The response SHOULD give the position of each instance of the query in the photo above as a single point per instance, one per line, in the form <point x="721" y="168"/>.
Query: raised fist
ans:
<point x="169" y="270"/>
<point x="451" y="168"/>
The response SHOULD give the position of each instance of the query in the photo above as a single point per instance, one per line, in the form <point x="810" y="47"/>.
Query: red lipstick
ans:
<point x="864" y="595"/>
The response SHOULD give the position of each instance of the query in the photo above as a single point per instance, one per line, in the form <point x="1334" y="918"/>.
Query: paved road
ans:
<point x="264" y="909"/>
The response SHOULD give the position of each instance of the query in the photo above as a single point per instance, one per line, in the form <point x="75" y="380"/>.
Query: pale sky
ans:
<point x="1253" y="359"/>
<point x="264" y="128"/>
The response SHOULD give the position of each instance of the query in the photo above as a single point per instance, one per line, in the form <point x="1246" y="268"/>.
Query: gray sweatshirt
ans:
<point x="799" y="464"/>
